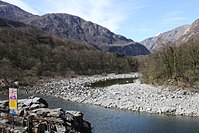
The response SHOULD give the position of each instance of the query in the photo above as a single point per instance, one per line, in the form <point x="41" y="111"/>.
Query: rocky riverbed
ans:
<point x="133" y="96"/>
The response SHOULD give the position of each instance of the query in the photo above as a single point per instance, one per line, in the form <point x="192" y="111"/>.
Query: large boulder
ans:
<point x="39" y="102"/>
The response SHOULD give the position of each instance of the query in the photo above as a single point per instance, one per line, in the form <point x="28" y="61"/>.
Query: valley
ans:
<point x="74" y="62"/>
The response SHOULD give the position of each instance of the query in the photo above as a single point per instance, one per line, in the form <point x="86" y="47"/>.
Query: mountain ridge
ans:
<point x="70" y="27"/>
<point x="191" y="31"/>
<point x="13" y="12"/>
<point x="79" y="28"/>
<point x="163" y="39"/>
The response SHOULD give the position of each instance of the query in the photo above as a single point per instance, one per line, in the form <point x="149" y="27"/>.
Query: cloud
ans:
<point x="23" y="5"/>
<point x="173" y="17"/>
<point x="108" y="13"/>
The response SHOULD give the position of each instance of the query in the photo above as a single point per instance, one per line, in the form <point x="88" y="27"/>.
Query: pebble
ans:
<point x="132" y="96"/>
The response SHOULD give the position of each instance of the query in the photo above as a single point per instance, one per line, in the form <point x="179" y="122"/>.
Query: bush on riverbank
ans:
<point x="174" y="65"/>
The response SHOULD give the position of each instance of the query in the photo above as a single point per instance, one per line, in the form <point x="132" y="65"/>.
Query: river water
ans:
<point x="116" y="121"/>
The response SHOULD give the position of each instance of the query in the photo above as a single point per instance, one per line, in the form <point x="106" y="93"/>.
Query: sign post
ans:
<point x="13" y="102"/>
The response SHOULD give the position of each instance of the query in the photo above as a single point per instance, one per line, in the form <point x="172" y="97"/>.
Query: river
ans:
<point x="117" y="121"/>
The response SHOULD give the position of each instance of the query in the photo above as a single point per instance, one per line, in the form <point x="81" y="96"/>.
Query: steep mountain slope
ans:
<point x="163" y="39"/>
<point x="9" y="23"/>
<point x="72" y="27"/>
<point x="128" y="48"/>
<point x="191" y="32"/>
<point x="13" y="12"/>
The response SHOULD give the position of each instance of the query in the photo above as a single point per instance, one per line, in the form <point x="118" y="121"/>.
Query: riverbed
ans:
<point x="105" y="120"/>
<point x="133" y="96"/>
<point x="129" y="108"/>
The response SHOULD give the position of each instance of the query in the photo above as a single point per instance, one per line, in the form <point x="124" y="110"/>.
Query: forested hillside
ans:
<point x="27" y="54"/>
<point x="174" y="65"/>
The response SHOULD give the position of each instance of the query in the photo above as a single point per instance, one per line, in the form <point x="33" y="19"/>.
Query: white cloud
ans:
<point x="108" y="13"/>
<point x="23" y="5"/>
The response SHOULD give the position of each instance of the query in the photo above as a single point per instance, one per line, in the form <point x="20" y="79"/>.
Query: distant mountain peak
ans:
<point x="167" y="38"/>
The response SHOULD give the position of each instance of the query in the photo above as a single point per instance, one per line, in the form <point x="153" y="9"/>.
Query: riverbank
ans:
<point x="134" y="96"/>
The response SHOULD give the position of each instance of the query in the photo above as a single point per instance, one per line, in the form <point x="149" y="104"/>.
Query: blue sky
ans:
<point x="135" y="19"/>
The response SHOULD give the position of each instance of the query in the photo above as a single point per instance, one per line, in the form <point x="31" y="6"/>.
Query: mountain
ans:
<point x="13" y="12"/>
<point x="178" y="64"/>
<point x="27" y="53"/>
<point x="9" y="23"/>
<point x="163" y="39"/>
<point x="73" y="27"/>
<point x="128" y="48"/>
<point x="191" y="32"/>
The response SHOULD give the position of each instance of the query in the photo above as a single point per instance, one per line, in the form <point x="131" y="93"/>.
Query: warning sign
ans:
<point x="13" y="100"/>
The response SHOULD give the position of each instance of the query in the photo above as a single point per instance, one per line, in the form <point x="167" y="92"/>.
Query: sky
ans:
<point x="134" y="19"/>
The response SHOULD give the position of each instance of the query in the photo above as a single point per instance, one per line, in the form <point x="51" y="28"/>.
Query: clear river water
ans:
<point x="118" y="121"/>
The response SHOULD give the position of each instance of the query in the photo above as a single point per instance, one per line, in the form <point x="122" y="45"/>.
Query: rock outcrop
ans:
<point x="33" y="114"/>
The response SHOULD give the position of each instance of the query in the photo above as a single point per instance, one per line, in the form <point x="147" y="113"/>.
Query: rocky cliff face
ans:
<point x="164" y="39"/>
<point x="72" y="27"/>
